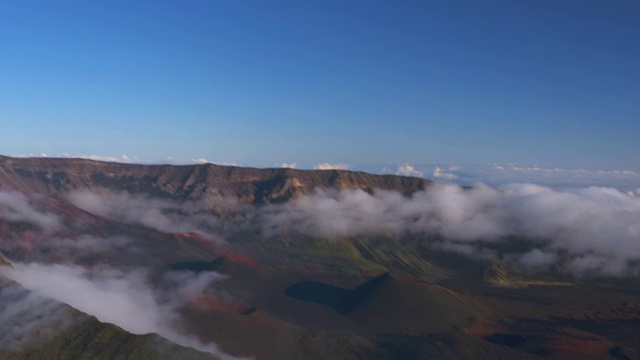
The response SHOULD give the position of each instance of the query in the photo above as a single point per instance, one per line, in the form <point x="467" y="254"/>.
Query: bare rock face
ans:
<point x="51" y="176"/>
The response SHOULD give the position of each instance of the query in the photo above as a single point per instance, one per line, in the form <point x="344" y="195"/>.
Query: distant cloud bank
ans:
<point x="328" y="166"/>
<point x="626" y="180"/>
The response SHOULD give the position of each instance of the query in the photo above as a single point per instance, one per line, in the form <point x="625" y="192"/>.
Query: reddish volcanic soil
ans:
<point x="215" y="303"/>
<point x="295" y="304"/>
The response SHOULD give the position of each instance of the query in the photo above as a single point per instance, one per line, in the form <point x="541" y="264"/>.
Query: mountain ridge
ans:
<point x="212" y="273"/>
<point x="54" y="176"/>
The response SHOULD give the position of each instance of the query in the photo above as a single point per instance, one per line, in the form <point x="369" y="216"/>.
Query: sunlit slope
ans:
<point x="52" y="176"/>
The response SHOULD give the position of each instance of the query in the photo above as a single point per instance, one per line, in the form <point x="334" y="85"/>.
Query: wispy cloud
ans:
<point x="588" y="230"/>
<point x="121" y="159"/>
<point x="159" y="214"/>
<point x="127" y="159"/>
<point x="288" y="165"/>
<point x="440" y="173"/>
<point x="122" y="298"/>
<point x="557" y="177"/>
<point x="112" y="289"/>
<point x="22" y="208"/>
<point x="328" y="166"/>
<point x="26" y="318"/>
<point x="532" y="169"/>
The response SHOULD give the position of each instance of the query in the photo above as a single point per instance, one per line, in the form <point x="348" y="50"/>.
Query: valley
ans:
<point x="113" y="261"/>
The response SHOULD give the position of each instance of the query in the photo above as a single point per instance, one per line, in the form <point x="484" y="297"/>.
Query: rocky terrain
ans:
<point x="115" y="261"/>
<point x="192" y="182"/>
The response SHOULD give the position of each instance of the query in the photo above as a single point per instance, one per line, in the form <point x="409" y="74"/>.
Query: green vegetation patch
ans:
<point x="504" y="275"/>
<point x="93" y="340"/>
<point x="352" y="256"/>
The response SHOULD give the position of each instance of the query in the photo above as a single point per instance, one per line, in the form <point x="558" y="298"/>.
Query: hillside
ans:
<point x="53" y="176"/>
<point x="106" y="260"/>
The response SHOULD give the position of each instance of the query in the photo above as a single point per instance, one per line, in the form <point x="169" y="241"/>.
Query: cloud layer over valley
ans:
<point x="579" y="231"/>
<point x="54" y="256"/>
<point x="582" y="232"/>
<point x="586" y="230"/>
<point x="125" y="298"/>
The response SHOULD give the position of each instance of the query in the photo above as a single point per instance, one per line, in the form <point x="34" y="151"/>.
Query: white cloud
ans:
<point x="626" y="180"/>
<point x="113" y="297"/>
<point x="120" y="159"/>
<point x="27" y="318"/>
<point x="288" y="165"/>
<point x="557" y="170"/>
<point x="128" y="159"/>
<point x="19" y="207"/>
<point x="38" y="155"/>
<point x="159" y="214"/>
<point x="438" y="172"/>
<point x="584" y="225"/>
<point x="408" y="170"/>
<point x="328" y="166"/>
<point x="122" y="298"/>
<point x="113" y="293"/>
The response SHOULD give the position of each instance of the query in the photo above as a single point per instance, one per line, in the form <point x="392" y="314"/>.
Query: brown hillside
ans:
<point x="393" y="302"/>
<point x="52" y="176"/>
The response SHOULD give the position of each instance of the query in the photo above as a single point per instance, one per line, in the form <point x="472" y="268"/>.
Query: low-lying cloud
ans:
<point x="159" y="214"/>
<point x="585" y="230"/>
<point x="123" y="298"/>
<point x="592" y="229"/>
<point x="18" y="207"/>
<point x="25" y="317"/>
<point x="50" y="260"/>
<point x="110" y="295"/>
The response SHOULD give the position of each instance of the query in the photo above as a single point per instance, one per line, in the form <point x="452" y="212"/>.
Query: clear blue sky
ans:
<point x="550" y="82"/>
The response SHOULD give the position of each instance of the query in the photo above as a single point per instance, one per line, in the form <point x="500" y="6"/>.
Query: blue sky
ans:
<point x="257" y="83"/>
